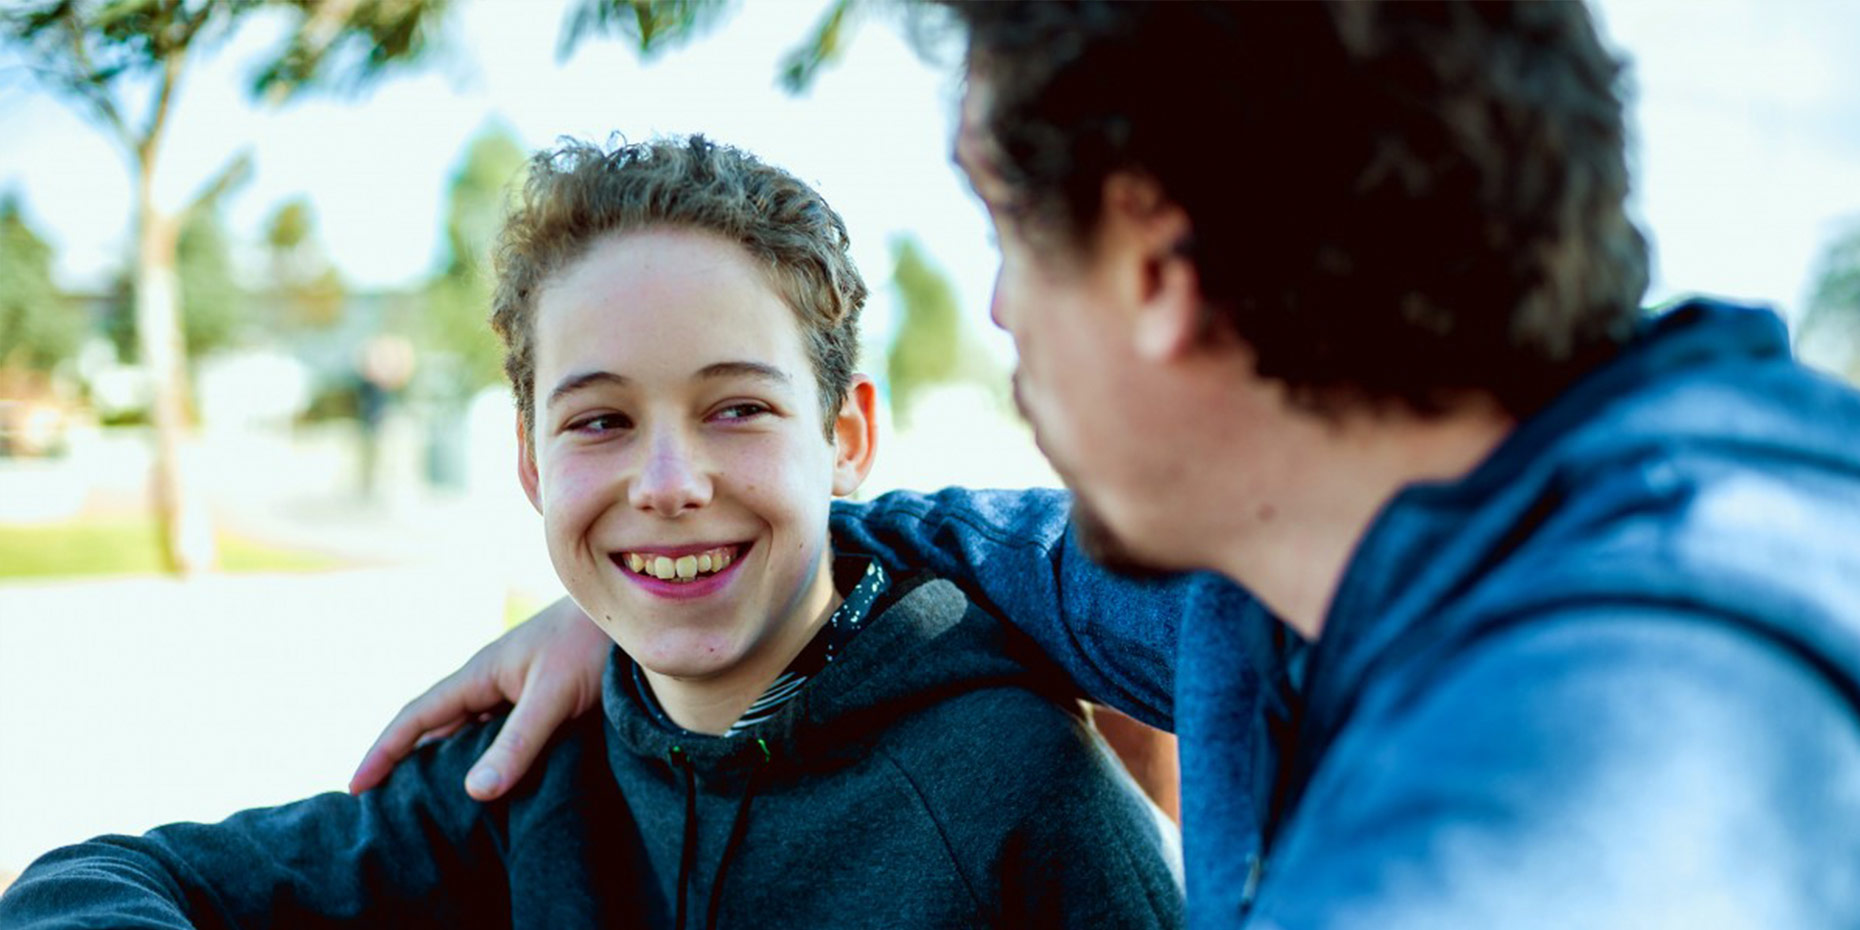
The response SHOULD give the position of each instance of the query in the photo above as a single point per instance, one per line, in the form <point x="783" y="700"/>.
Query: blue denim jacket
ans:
<point x="1608" y="679"/>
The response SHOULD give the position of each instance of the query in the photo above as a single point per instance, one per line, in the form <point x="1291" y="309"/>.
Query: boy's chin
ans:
<point x="687" y="661"/>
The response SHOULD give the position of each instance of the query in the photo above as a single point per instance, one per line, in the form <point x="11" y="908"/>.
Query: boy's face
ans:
<point x="678" y="433"/>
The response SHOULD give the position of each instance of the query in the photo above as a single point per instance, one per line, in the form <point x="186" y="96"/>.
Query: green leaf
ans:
<point x="349" y="50"/>
<point x="803" y="63"/>
<point x="651" y="26"/>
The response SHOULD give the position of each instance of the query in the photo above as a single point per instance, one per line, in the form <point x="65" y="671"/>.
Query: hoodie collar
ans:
<point x="861" y="582"/>
<point x="1433" y="541"/>
<point x="920" y="645"/>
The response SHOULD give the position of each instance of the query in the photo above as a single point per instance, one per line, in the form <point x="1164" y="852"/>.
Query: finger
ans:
<point x="433" y="736"/>
<point x="451" y="702"/>
<point x="542" y="709"/>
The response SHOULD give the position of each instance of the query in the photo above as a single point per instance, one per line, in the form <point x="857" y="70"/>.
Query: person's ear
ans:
<point x="1154" y="232"/>
<point x="855" y="436"/>
<point x="526" y="467"/>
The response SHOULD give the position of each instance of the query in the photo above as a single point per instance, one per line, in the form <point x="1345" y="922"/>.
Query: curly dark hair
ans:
<point x="1390" y="202"/>
<point x="578" y="192"/>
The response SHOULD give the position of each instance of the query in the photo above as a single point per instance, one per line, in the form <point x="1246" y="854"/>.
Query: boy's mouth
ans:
<point x="681" y="567"/>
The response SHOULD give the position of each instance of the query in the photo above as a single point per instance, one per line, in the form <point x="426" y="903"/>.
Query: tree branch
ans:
<point x="85" y="87"/>
<point x="171" y="66"/>
<point x="234" y="173"/>
<point x="314" y="37"/>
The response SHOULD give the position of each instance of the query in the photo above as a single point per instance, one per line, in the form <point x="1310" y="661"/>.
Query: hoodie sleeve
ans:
<point x="1015" y="554"/>
<point x="415" y="852"/>
<point x="1617" y="769"/>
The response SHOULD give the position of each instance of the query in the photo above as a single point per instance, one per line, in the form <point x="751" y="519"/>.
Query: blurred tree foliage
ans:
<point x="214" y="305"/>
<point x="39" y="327"/>
<point x="458" y="299"/>
<point x="307" y="291"/>
<point x="653" y="26"/>
<point x="650" y="26"/>
<point x="348" y="46"/>
<point x="1834" y="308"/>
<point x="932" y="345"/>
<point x="120" y="64"/>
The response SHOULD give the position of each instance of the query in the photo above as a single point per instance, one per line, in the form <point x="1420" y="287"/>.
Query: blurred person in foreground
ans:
<point x="793" y="735"/>
<point x="1530" y="608"/>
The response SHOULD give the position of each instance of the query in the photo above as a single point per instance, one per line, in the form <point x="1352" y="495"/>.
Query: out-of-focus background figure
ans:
<point x="385" y="367"/>
<point x="256" y="455"/>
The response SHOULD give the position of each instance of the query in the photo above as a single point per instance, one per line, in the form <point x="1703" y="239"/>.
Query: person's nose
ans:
<point x="672" y="479"/>
<point x="994" y="303"/>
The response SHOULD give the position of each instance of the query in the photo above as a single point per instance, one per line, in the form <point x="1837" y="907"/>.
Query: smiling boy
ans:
<point x="679" y="464"/>
<point x="792" y="736"/>
<point x="682" y="330"/>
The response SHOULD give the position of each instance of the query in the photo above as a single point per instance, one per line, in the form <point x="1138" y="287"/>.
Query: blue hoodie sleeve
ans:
<point x="1617" y="769"/>
<point x="1014" y="553"/>
<point x="415" y="852"/>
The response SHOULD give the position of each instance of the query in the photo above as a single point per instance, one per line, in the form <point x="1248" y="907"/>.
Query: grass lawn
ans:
<point x="127" y="547"/>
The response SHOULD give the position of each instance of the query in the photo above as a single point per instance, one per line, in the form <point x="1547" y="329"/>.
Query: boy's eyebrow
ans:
<point x="573" y="383"/>
<point x="744" y="369"/>
<point x="758" y="370"/>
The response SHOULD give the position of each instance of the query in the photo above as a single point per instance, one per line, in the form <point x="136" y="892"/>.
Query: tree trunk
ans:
<point x="185" y="532"/>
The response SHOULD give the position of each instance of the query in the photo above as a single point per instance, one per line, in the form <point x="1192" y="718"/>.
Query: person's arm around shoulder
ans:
<point x="1017" y="555"/>
<point x="1598" y="769"/>
<point x="549" y="667"/>
<point x="410" y="853"/>
<point x="1012" y="550"/>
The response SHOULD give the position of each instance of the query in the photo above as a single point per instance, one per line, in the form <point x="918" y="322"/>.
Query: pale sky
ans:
<point x="1747" y="145"/>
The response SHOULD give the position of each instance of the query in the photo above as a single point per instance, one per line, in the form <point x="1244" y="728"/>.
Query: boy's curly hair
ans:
<point x="579" y="192"/>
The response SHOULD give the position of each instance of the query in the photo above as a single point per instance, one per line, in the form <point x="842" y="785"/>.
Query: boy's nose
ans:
<point x="671" y="481"/>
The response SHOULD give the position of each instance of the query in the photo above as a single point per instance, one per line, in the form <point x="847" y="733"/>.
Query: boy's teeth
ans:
<point x="682" y="568"/>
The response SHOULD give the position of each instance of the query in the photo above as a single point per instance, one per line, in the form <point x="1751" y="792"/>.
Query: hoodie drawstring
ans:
<point x="685" y="858"/>
<point x="738" y="828"/>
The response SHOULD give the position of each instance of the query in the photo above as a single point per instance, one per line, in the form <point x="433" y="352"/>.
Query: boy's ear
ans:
<point x="526" y="467"/>
<point x="855" y="436"/>
<point x="1152" y="231"/>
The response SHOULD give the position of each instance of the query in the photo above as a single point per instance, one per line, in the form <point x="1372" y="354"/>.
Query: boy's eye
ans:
<point x="601" y="423"/>
<point x="741" y="410"/>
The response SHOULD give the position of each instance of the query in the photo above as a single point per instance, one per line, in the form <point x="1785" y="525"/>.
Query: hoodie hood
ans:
<point x="922" y="646"/>
<point x="696" y="796"/>
<point x="1703" y="468"/>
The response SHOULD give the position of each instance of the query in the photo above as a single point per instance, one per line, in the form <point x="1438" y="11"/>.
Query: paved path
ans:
<point x="133" y="702"/>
